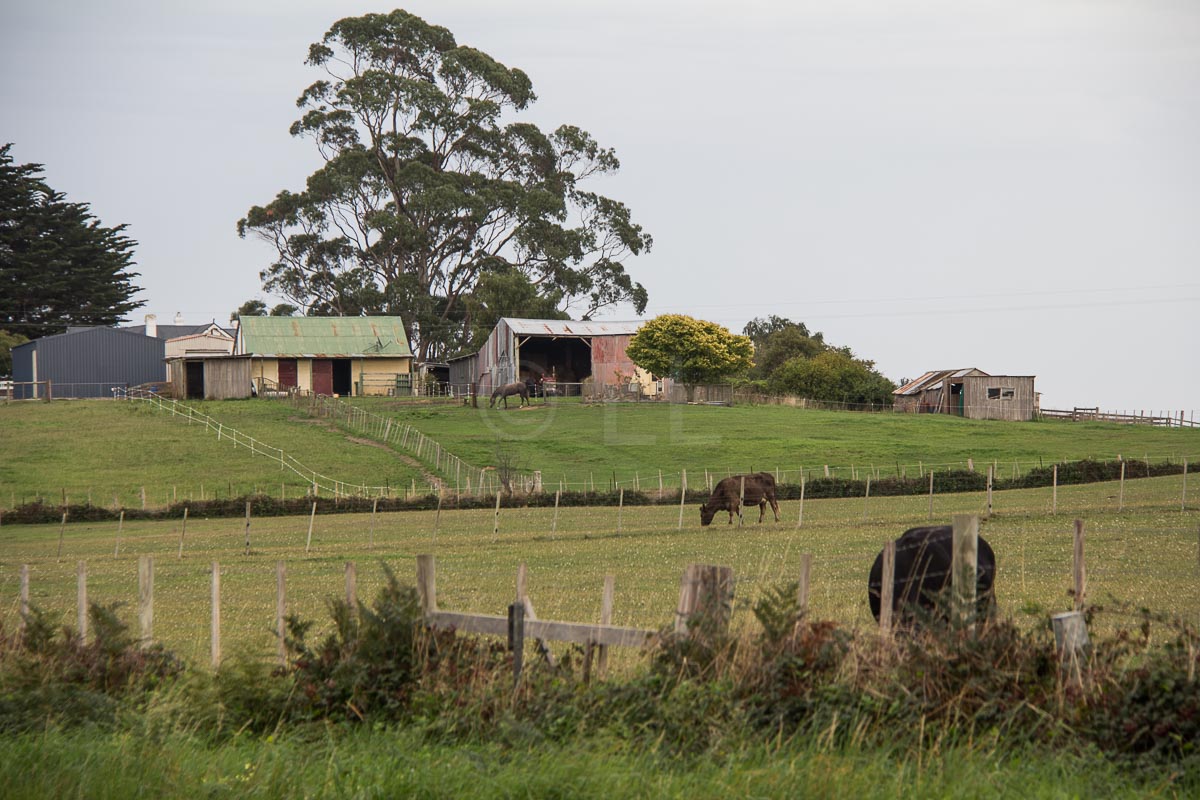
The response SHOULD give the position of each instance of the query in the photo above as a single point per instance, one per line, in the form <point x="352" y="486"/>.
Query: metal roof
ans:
<point x="567" y="327"/>
<point x="929" y="379"/>
<point x="367" y="337"/>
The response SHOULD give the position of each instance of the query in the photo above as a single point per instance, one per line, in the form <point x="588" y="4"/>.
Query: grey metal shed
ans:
<point x="89" y="362"/>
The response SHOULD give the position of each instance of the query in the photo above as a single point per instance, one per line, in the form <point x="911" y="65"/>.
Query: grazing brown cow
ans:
<point x="727" y="496"/>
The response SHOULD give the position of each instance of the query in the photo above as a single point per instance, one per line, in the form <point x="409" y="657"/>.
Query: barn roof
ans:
<point x="298" y="337"/>
<point x="930" y="380"/>
<point x="568" y="327"/>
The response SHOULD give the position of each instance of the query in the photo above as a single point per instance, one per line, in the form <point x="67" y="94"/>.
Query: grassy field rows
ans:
<point x="105" y="449"/>
<point x="1145" y="554"/>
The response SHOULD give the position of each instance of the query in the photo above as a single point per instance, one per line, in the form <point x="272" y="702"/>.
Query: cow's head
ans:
<point x="706" y="514"/>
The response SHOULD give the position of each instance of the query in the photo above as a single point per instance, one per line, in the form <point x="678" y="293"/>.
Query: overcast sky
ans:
<point x="1013" y="186"/>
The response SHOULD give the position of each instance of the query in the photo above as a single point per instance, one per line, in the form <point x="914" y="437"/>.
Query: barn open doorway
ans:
<point x="343" y="380"/>
<point x="565" y="359"/>
<point x="195" y="380"/>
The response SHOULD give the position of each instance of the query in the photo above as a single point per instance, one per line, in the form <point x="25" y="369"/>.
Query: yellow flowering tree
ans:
<point x="689" y="351"/>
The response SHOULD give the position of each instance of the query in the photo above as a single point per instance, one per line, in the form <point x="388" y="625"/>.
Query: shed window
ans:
<point x="1000" y="393"/>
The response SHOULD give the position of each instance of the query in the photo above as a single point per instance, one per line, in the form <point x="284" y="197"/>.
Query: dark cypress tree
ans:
<point x="58" y="265"/>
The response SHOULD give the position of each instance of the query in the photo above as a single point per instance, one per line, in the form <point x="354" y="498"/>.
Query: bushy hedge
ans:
<point x="945" y="482"/>
<point x="703" y="693"/>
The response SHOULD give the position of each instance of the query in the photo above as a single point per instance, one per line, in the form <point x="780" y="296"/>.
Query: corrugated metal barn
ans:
<point x="343" y="356"/>
<point x="557" y="350"/>
<point x="970" y="393"/>
<point x="89" y="362"/>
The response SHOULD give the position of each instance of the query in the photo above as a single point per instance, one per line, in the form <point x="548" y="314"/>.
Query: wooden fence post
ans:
<point x="427" y="583"/>
<point x="281" y="610"/>
<point x="990" y="477"/>
<point x="437" y="517"/>
<point x="620" y="507"/>
<point x="682" y="495"/>
<point x="182" y="531"/>
<point x="1079" y="570"/>
<point x="311" y="519"/>
<point x="352" y="586"/>
<point x="374" y="508"/>
<point x="62" y="529"/>
<point x="964" y="561"/>
<point x="554" y="522"/>
<point x="496" y="518"/>
<point x="887" y="587"/>
<point x="215" y="626"/>
<point x="516" y="638"/>
<point x="1054" y="494"/>
<point x="146" y="599"/>
<point x="741" y="501"/>
<point x="81" y="596"/>
<point x="931" y="471"/>
<point x="800" y="519"/>
<point x="705" y="598"/>
<point x="1183" y="500"/>
<point x="247" y="527"/>
<point x="606" y="608"/>
<point x="866" y="498"/>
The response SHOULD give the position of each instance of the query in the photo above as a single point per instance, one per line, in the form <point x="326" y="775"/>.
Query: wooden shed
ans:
<point x="1009" y="397"/>
<point x="970" y="393"/>
<point x="217" y="377"/>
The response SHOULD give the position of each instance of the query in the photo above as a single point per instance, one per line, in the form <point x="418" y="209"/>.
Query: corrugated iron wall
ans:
<point x="608" y="358"/>
<point x="89" y="363"/>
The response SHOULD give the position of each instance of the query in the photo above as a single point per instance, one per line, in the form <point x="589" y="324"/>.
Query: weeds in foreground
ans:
<point x="703" y="692"/>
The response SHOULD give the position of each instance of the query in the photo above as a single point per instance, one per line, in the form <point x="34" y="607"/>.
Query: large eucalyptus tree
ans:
<point x="431" y="183"/>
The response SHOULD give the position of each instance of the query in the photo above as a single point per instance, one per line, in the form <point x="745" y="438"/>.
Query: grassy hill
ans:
<point x="578" y="441"/>
<point x="101" y="448"/>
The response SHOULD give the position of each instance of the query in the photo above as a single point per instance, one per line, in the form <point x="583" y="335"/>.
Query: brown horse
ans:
<point x="508" y="390"/>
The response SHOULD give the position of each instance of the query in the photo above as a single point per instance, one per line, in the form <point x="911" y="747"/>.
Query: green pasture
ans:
<point x="580" y="443"/>
<point x="1141" y="548"/>
<point x="101" y="449"/>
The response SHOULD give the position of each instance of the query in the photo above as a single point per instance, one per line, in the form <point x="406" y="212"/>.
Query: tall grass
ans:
<point x="402" y="763"/>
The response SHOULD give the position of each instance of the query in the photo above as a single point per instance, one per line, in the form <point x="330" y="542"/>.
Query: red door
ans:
<point x="322" y="376"/>
<point x="287" y="373"/>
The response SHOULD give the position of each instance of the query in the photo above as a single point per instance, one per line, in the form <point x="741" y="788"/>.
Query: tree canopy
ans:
<point x="257" y="308"/>
<point x="688" y="350"/>
<point x="7" y="342"/>
<point x="777" y="339"/>
<point x="789" y="359"/>
<point x="434" y="197"/>
<point x="58" y="265"/>
<point x="832" y="375"/>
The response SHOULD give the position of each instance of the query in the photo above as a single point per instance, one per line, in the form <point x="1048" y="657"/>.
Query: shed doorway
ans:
<point x="195" y="380"/>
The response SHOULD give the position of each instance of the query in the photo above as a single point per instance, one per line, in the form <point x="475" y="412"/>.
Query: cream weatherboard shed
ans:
<point x="336" y="356"/>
